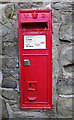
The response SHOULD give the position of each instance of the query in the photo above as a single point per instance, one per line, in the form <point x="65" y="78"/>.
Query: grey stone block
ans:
<point x="1" y="47"/>
<point x="10" y="94"/>
<point x="10" y="49"/>
<point x="62" y="5"/>
<point x="30" y="114"/>
<point x="9" y="82"/>
<point x="14" y="72"/>
<point x="9" y="36"/>
<point x="67" y="57"/>
<point x="67" y="60"/>
<point x="4" y="110"/>
<point x="69" y="69"/>
<point x="9" y="63"/>
<point x="1" y="77"/>
<point x="56" y="16"/>
<point x="15" y="107"/>
<point x="12" y="102"/>
<point x="65" y="86"/>
<point x="0" y="105"/>
<point x="7" y="32"/>
<point x="65" y="107"/>
<point x="29" y="5"/>
<point x="65" y="31"/>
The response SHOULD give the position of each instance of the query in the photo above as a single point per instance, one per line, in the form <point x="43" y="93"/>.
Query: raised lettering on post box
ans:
<point x="35" y="59"/>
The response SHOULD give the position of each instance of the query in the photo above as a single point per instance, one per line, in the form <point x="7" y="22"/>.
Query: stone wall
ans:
<point x="62" y="60"/>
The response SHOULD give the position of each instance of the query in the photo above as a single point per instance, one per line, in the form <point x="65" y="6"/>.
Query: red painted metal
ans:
<point x="36" y="78"/>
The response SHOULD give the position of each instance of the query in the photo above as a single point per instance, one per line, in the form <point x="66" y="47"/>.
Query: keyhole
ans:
<point x="29" y="84"/>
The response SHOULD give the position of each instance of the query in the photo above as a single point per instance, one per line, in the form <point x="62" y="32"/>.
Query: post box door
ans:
<point x="35" y="75"/>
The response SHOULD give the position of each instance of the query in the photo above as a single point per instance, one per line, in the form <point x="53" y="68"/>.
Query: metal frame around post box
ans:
<point x="20" y="45"/>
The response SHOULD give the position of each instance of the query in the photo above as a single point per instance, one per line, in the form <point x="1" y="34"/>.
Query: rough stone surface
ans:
<point x="9" y="63"/>
<point x="10" y="94"/>
<point x="64" y="86"/>
<point x="15" y="107"/>
<point x="13" y="72"/>
<point x="67" y="60"/>
<point x="10" y="111"/>
<point x="9" y="82"/>
<point x="30" y="5"/>
<point x="7" y="33"/>
<point x="13" y="1"/>
<point x="62" y="5"/>
<point x="0" y="106"/>
<point x="68" y="56"/>
<point x="0" y="78"/>
<point x="55" y="48"/>
<point x="56" y="16"/>
<point x="65" y="107"/>
<point x="10" y="49"/>
<point x="30" y="115"/>
<point x="65" y="33"/>
<point x="0" y="62"/>
<point x="55" y="58"/>
<point x="12" y="102"/>
<point x="0" y="47"/>
<point x="4" y="110"/>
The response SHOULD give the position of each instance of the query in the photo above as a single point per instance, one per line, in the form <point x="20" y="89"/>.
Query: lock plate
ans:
<point x="26" y="62"/>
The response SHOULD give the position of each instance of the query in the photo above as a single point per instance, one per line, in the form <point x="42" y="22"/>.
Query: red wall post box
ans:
<point x="35" y="59"/>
